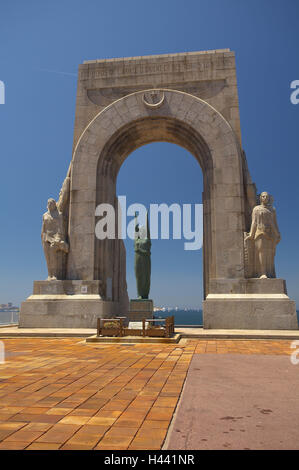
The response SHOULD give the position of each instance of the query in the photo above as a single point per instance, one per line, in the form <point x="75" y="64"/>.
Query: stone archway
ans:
<point x="126" y="125"/>
<point x="188" y="99"/>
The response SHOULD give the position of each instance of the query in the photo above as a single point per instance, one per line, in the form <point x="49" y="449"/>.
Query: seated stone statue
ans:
<point x="54" y="234"/>
<point x="265" y="234"/>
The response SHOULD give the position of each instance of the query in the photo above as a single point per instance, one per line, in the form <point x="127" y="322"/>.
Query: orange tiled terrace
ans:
<point x="66" y="394"/>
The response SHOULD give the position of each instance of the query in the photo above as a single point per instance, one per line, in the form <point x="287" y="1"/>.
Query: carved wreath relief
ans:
<point x="153" y="99"/>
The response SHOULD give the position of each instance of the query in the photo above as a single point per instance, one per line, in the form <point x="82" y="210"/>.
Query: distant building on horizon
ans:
<point x="9" y="307"/>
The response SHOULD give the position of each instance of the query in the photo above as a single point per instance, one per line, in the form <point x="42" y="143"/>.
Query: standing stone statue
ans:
<point x="265" y="234"/>
<point x="142" y="259"/>
<point x="54" y="233"/>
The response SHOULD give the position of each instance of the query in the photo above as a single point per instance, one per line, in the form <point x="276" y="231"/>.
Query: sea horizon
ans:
<point x="181" y="316"/>
<point x="186" y="317"/>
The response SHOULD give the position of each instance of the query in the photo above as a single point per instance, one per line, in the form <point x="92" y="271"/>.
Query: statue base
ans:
<point x="250" y="304"/>
<point x="66" y="304"/>
<point x="140" y="309"/>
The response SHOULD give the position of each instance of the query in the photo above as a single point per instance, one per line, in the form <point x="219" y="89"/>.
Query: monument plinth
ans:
<point x="140" y="309"/>
<point x="251" y="304"/>
<point x="66" y="304"/>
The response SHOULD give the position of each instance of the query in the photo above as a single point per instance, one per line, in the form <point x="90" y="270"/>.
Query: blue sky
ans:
<point x="43" y="42"/>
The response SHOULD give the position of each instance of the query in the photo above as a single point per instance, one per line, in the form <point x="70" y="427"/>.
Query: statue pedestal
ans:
<point x="66" y="304"/>
<point x="140" y="309"/>
<point x="252" y="304"/>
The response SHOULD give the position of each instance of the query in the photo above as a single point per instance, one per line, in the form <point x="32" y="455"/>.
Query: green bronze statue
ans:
<point x="142" y="247"/>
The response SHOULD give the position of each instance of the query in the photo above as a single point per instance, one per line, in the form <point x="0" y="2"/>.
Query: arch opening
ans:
<point x="173" y="176"/>
<point x="122" y="144"/>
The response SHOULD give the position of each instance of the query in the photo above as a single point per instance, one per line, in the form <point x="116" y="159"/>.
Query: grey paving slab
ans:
<point x="235" y="401"/>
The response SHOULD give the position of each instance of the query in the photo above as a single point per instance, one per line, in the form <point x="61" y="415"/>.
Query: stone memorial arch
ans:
<point x="189" y="99"/>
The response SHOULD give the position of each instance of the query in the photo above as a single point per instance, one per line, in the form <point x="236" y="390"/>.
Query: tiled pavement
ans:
<point x="66" y="394"/>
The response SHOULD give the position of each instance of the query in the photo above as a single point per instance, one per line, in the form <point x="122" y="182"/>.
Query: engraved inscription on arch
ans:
<point x="203" y="89"/>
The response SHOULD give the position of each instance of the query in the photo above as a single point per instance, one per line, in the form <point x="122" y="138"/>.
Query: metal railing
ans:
<point x="9" y="318"/>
